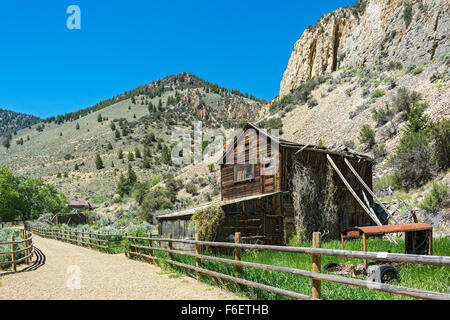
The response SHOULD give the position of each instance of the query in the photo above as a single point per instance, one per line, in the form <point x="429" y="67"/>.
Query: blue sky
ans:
<point x="47" y="69"/>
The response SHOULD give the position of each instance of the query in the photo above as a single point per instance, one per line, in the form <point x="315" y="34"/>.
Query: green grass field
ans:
<point x="424" y="277"/>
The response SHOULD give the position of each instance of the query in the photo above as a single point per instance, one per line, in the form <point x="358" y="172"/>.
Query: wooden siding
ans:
<point x="261" y="184"/>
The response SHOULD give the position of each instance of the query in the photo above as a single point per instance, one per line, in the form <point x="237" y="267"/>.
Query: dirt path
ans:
<point x="102" y="276"/>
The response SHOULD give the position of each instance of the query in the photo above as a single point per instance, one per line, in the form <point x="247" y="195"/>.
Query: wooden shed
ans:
<point x="257" y="190"/>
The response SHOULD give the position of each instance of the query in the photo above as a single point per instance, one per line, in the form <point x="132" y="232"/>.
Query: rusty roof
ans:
<point x="285" y="143"/>
<point x="376" y="230"/>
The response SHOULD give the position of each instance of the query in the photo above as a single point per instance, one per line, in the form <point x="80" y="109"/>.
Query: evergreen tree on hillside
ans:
<point x="137" y="152"/>
<point x="98" y="162"/>
<point x="78" y="126"/>
<point x="146" y="163"/>
<point x="120" y="154"/>
<point x="7" y="141"/>
<point x="99" y="118"/>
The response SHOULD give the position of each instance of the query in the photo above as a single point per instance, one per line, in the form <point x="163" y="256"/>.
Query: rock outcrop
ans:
<point x="408" y="31"/>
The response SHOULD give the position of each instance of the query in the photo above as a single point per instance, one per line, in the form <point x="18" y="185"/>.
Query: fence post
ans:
<point x="237" y="251"/>
<point x="13" y="254"/>
<point x="197" y="253"/>
<point x="316" y="266"/>
<point x="27" y="252"/>
<point x="125" y="237"/>
<point x="150" y="251"/>
<point x="107" y="244"/>
<point x="170" y="246"/>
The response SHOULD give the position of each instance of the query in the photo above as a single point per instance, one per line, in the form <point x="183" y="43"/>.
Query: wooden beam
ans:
<point x="370" y="191"/>
<point x="374" y="217"/>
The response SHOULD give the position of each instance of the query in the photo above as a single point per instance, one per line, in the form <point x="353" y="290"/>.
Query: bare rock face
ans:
<point x="410" y="32"/>
<point x="239" y="108"/>
<point x="191" y="99"/>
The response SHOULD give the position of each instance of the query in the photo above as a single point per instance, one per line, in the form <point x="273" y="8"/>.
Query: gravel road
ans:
<point x="102" y="276"/>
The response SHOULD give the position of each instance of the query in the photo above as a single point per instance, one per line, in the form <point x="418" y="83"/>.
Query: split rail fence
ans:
<point x="26" y="239"/>
<point x="144" y="247"/>
<point x="108" y="242"/>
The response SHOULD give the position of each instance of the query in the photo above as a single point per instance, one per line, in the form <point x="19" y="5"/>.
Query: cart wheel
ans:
<point x="330" y="265"/>
<point x="385" y="273"/>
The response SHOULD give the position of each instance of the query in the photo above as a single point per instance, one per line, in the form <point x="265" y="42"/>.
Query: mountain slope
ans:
<point x="11" y="121"/>
<point x="159" y="107"/>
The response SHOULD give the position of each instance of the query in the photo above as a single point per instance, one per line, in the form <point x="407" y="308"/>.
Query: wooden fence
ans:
<point x="91" y="240"/>
<point x="145" y="247"/>
<point x="26" y="238"/>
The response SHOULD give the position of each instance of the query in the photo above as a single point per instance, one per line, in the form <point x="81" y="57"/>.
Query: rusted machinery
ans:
<point x="418" y="240"/>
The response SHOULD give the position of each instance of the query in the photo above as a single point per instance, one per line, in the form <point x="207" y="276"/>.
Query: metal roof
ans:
<point x="285" y="143"/>
<point x="191" y="211"/>
<point x="377" y="230"/>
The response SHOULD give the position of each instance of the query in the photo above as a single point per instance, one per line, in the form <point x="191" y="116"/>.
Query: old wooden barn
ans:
<point x="257" y="194"/>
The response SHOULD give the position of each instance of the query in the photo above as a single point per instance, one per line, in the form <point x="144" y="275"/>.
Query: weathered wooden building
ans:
<point x="257" y="192"/>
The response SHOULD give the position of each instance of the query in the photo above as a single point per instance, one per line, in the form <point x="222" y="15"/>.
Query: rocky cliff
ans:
<point x="410" y="31"/>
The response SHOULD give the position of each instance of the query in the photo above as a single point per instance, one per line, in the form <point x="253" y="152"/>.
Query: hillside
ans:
<point x="11" y="121"/>
<point x="65" y="156"/>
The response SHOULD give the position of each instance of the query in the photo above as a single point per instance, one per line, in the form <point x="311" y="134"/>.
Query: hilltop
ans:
<point x="62" y="149"/>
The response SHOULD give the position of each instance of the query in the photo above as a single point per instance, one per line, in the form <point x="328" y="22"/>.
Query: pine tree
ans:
<point x="110" y="147"/>
<point x="132" y="178"/>
<point x="117" y="134"/>
<point x="120" y="155"/>
<point x="76" y="168"/>
<point x="130" y="156"/>
<point x="137" y="152"/>
<point x="7" y="141"/>
<point x="113" y="126"/>
<point x="99" y="118"/>
<point x="99" y="163"/>
<point x="146" y="163"/>
<point x="78" y="126"/>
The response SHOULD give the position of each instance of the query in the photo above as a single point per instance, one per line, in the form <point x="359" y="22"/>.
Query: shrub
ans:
<point x="157" y="199"/>
<point x="406" y="99"/>
<point x="191" y="188"/>
<point x="440" y="133"/>
<point x="418" y="70"/>
<point x="206" y="222"/>
<point x="367" y="136"/>
<point x="382" y="115"/>
<point x="412" y="160"/>
<point x="377" y="93"/>
<point x="211" y="167"/>
<point x="434" y="199"/>
<point x="379" y="151"/>
<point x="407" y="14"/>
<point x="394" y="65"/>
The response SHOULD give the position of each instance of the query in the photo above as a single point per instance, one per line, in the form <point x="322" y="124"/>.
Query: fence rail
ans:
<point x="84" y="239"/>
<point x="26" y="238"/>
<point x="317" y="277"/>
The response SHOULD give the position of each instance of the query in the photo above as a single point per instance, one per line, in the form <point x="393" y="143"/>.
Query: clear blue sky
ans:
<point x="47" y="69"/>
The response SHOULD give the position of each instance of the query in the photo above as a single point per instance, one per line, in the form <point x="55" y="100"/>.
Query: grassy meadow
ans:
<point x="424" y="277"/>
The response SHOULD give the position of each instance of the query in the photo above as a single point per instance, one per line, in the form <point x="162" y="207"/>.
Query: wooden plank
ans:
<point x="368" y="190"/>
<point x="374" y="217"/>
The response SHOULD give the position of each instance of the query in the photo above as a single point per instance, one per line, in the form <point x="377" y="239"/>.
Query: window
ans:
<point x="244" y="172"/>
